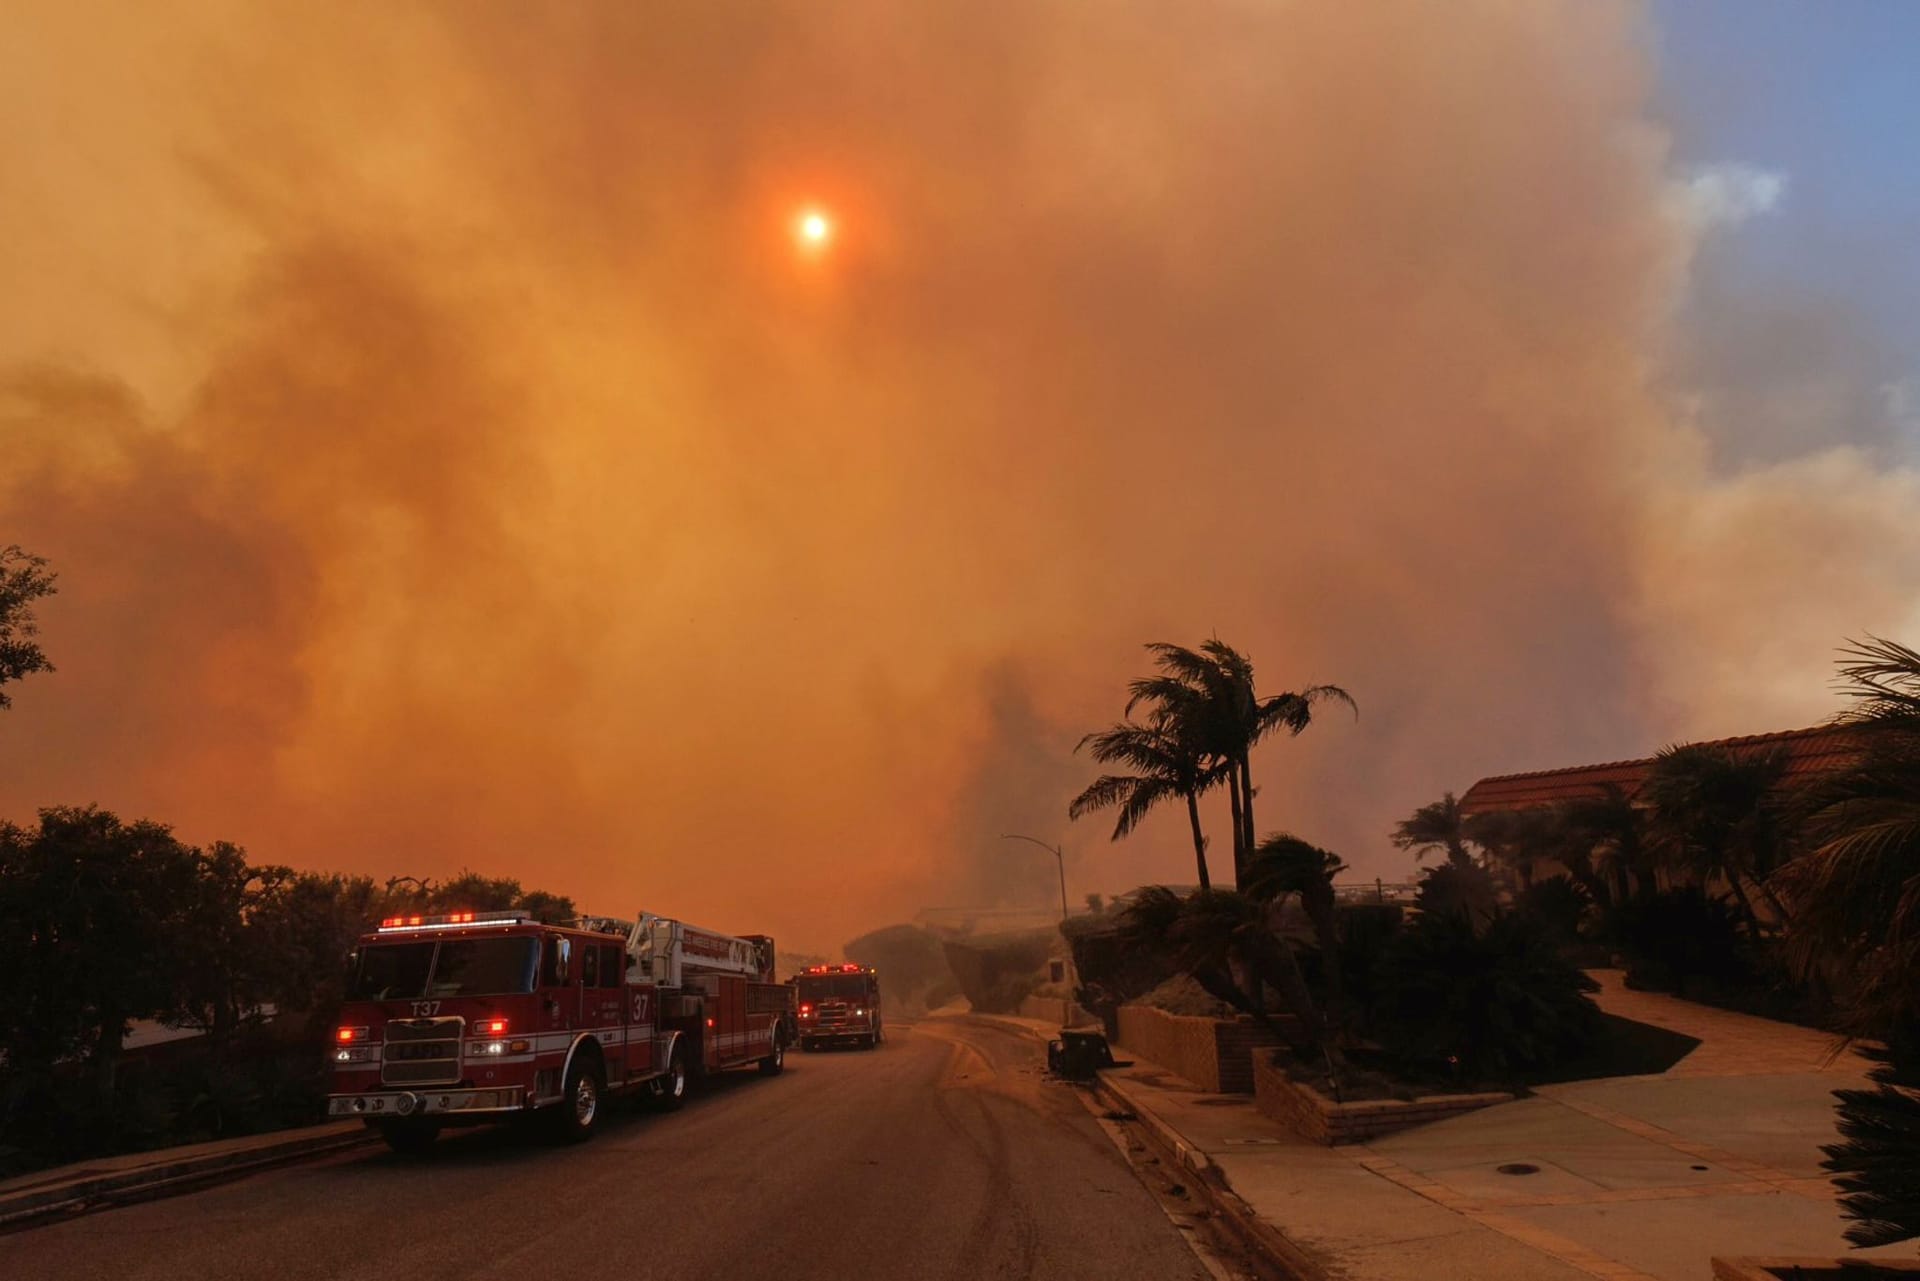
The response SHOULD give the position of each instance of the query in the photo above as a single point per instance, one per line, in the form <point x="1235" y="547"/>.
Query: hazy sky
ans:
<point x="452" y="460"/>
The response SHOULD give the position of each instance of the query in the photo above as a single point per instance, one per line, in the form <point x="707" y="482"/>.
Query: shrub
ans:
<point x="1456" y="889"/>
<point x="1877" y="1160"/>
<point x="1558" y="904"/>
<point x="1482" y="1004"/>
<point x="1367" y="932"/>
<point x="1674" y="936"/>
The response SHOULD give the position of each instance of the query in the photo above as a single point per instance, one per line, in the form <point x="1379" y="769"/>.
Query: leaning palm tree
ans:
<point x="1437" y="825"/>
<point x="1210" y="694"/>
<point x="1165" y="764"/>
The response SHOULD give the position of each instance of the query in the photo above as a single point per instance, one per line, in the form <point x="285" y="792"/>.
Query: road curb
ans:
<point x="162" y="1178"/>
<point x="1242" y="1220"/>
<point x="1253" y="1232"/>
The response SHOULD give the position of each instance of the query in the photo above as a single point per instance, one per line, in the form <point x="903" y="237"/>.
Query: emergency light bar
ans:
<point x="833" y="969"/>
<point x="452" y="920"/>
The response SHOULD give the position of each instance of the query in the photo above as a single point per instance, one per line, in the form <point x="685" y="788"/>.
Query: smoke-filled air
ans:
<point x="725" y="465"/>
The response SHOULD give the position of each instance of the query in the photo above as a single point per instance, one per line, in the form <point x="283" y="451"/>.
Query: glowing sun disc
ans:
<point x="813" y="228"/>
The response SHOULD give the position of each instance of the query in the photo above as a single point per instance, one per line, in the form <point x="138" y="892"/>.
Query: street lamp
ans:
<point x="1060" y="858"/>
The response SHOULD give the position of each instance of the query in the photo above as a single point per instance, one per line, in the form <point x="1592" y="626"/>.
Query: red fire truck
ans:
<point x="471" y="1017"/>
<point x="839" y="1003"/>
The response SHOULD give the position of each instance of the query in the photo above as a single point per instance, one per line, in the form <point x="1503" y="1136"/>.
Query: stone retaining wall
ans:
<point x="1307" y="1113"/>
<point x="1215" y="1054"/>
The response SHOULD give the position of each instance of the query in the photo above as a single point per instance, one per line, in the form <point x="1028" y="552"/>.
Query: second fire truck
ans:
<point x="470" y="1017"/>
<point x="839" y="1004"/>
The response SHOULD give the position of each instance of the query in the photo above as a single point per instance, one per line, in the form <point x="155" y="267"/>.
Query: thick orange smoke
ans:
<point x="451" y="461"/>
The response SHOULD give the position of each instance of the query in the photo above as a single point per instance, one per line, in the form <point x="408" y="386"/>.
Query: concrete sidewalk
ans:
<point x="138" y="1176"/>
<point x="1630" y="1178"/>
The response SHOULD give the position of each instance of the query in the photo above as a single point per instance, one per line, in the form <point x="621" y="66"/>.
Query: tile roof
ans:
<point x="1808" y="751"/>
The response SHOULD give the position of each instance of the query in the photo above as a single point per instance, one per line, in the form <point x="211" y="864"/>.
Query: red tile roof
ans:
<point x="1808" y="751"/>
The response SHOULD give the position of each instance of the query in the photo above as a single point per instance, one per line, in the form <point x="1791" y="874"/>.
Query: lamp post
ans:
<point x="1060" y="859"/>
<point x="1059" y="856"/>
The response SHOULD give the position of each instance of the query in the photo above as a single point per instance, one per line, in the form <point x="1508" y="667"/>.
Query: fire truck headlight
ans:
<point x="353" y="1056"/>
<point x="496" y="1047"/>
<point x="859" y="1012"/>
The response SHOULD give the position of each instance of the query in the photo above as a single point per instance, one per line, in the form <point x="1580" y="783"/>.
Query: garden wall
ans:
<point x="1215" y="1054"/>
<point x="1308" y="1114"/>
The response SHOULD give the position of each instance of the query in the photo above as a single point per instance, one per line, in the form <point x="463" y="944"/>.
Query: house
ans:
<point x="1806" y="752"/>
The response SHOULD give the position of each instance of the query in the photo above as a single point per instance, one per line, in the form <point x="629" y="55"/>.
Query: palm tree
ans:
<point x="1856" y="899"/>
<point x="1437" y="825"/>
<point x="1165" y="765"/>
<point x="1284" y="865"/>
<point x="1210" y="695"/>
<point x="1856" y="893"/>
<point x="1614" y="831"/>
<point x="1718" y="813"/>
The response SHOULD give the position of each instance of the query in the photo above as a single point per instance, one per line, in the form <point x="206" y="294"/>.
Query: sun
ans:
<point x="813" y="229"/>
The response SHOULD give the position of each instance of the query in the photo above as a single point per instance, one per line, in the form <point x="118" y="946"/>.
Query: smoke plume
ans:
<point x="451" y="462"/>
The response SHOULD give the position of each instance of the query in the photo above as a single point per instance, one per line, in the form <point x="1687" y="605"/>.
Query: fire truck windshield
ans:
<point x="443" y="968"/>
<point x="833" y="987"/>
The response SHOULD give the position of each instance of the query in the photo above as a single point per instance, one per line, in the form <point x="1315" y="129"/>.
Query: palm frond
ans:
<point x="1107" y="790"/>
<point x="1883" y="679"/>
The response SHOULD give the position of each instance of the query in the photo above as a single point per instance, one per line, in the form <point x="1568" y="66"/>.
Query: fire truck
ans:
<point x="839" y="1003"/>
<point x="470" y="1017"/>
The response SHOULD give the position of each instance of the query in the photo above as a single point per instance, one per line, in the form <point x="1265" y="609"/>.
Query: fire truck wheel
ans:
<point x="771" y="1065"/>
<point x="578" y="1113"/>
<point x="409" y="1138"/>
<point x="670" y="1091"/>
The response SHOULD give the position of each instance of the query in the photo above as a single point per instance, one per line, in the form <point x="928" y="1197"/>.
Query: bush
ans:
<point x="1558" y="904"/>
<point x="1876" y="1162"/>
<point x="1674" y="937"/>
<point x="1482" y="1004"/>
<point x="1455" y="889"/>
<point x="1112" y="968"/>
<point x="1367" y="932"/>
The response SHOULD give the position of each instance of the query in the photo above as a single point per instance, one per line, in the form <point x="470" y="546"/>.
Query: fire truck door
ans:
<point x="603" y="1000"/>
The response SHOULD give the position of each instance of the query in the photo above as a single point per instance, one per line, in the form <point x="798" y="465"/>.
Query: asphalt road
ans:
<point x="943" y="1154"/>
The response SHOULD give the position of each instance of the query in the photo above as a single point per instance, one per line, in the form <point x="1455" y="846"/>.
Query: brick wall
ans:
<point x="1308" y="1114"/>
<point x="1214" y="1054"/>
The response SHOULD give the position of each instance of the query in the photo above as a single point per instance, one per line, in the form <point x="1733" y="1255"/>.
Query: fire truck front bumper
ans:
<point x="398" y="1103"/>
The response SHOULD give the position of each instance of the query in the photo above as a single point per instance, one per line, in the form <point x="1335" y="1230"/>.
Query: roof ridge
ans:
<point x="1739" y="740"/>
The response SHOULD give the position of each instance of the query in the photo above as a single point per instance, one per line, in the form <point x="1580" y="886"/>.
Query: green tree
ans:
<point x="23" y="580"/>
<point x="1437" y="825"/>
<point x="1165" y="763"/>
<point x="94" y="917"/>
